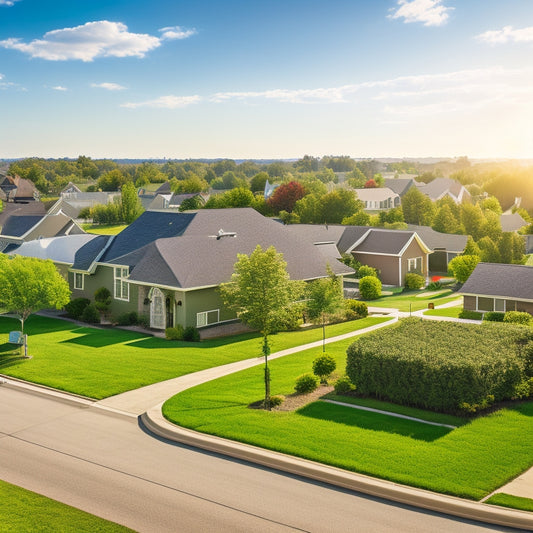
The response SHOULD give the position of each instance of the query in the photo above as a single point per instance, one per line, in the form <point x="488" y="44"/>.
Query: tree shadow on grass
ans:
<point x="98" y="338"/>
<point x="11" y="359"/>
<point x="373" y="421"/>
<point x="157" y="342"/>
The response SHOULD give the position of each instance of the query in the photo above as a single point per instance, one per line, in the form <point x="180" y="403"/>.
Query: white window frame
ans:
<point x="119" y="275"/>
<point x="202" y="318"/>
<point x="411" y="261"/>
<point x="79" y="287"/>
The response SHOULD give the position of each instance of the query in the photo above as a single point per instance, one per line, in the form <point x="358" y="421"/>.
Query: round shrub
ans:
<point x="344" y="385"/>
<point x="191" y="334"/>
<point x="323" y="366"/>
<point x="370" y="287"/>
<point x="102" y="299"/>
<point x="90" y="315"/>
<point x="276" y="401"/>
<point x="517" y="317"/>
<point x="76" y="307"/>
<point x="365" y="270"/>
<point x="435" y="286"/>
<point x="358" y="307"/>
<point x="414" y="281"/>
<point x="493" y="316"/>
<point x="306" y="383"/>
<point x="128" y="319"/>
<point x="175" y="334"/>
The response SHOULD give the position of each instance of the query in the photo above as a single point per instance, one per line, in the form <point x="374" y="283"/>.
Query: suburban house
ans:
<point x="499" y="287"/>
<point x="151" y="202"/>
<point x="71" y="201"/>
<point x="17" y="189"/>
<point x="400" y="185"/>
<point x="21" y="222"/>
<point x="445" y="246"/>
<point x="392" y="252"/>
<point x="378" y="198"/>
<point x="168" y="265"/>
<point x="441" y="187"/>
<point x="512" y="222"/>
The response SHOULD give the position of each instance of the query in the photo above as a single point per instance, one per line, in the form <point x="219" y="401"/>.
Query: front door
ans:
<point x="157" y="310"/>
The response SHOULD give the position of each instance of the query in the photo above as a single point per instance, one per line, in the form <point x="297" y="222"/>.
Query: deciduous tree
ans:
<point x="263" y="295"/>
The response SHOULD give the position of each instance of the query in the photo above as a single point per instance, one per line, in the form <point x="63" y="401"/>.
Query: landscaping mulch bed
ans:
<point x="296" y="401"/>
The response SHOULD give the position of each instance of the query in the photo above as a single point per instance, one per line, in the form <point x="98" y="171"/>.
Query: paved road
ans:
<point x="104" y="463"/>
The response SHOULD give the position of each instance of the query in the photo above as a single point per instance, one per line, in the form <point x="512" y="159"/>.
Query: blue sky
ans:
<point x="276" y="79"/>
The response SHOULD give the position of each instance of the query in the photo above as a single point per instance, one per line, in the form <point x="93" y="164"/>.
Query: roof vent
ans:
<point x="222" y="233"/>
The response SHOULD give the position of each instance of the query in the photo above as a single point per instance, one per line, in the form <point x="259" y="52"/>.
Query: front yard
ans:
<point x="414" y="300"/>
<point x="103" y="362"/>
<point x="470" y="461"/>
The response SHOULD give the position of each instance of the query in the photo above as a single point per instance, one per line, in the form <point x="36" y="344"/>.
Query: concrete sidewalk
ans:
<point x="140" y="400"/>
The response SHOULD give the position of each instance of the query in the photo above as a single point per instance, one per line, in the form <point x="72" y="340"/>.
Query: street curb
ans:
<point x="154" y="421"/>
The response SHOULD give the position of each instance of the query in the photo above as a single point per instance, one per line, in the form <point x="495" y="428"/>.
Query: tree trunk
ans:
<point x="323" y="334"/>
<point x="266" y="353"/>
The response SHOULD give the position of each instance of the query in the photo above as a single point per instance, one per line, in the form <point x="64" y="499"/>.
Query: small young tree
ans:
<point x="323" y="366"/>
<point x="324" y="296"/>
<point x="262" y="294"/>
<point x="28" y="285"/>
<point x="462" y="266"/>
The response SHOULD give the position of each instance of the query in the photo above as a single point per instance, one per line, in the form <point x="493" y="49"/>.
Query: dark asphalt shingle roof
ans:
<point x="500" y="280"/>
<point x="150" y="226"/>
<point x="31" y="208"/>
<point x="18" y="225"/>
<point x="84" y="257"/>
<point x="196" y="258"/>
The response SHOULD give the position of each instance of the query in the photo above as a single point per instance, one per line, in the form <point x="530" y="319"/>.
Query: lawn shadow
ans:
<point x="348" y="416"/>
<point x="9" y="349"/>
<point x="157" y="342"/>
<point x="12" y="359"/>
<point x="99" y="338"/>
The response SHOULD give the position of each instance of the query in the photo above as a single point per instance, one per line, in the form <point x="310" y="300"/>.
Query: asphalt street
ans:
<point x="106" y="464"/>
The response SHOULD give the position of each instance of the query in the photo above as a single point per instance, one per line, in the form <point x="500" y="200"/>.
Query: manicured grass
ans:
<point x="413" y="300"/>
<point x="23" y="510"/>
<point x="104" y="229"/>
<point x="508" y="500"/>
<point x="470" y="461"/>
<point x="451" y="312"/>
<point x="103" y="362"/>
<point x="430" y="416"/>
<point x="529" y="261"/>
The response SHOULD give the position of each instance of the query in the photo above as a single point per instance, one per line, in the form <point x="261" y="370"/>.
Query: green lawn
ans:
<point x="103" y="362"/>
<point x="104" y="229"/>
<point x="529" y="261"/>
<point x="470" y="461"/>
<point x="413" y="300"/>
<point x="514" y="502"/>
<point x="452" y="312"/>
<point x="23" y="510"/>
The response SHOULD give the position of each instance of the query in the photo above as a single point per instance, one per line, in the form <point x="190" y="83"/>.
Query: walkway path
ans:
<point x="140" y="400"/>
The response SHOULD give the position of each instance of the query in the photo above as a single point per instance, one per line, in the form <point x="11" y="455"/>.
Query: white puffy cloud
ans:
<point x="429" y="12"/>
<point x="109" y="86"/>
<point x="87" y="42"/>
<point x="176" y="32"/>
<point x="7" y="2"/>
<point x="165" y="102"/>
<point x="507" y="34"/>
<point x="59" y="88"/>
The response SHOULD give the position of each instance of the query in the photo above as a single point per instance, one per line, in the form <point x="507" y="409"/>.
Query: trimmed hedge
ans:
<point x="517" y="317"/>
<point x="444" y="366"/>
<point x="493" y="316"/>
<point x="76" y="307"/>
<point x="360" y="309"/>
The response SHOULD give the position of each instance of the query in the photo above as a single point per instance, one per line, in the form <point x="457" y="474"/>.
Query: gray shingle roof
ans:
<point x="512" y="222"/>
<point x="500" y="280"/>
<point x="399" y="185"/>
<point x="384" y="242"/>
<point x="436" y="240"/>
<point x="194" y="257"/>
<point x="87" y="254"/>
<point x="439" y="186"/>
<point x="27" y="208"/>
